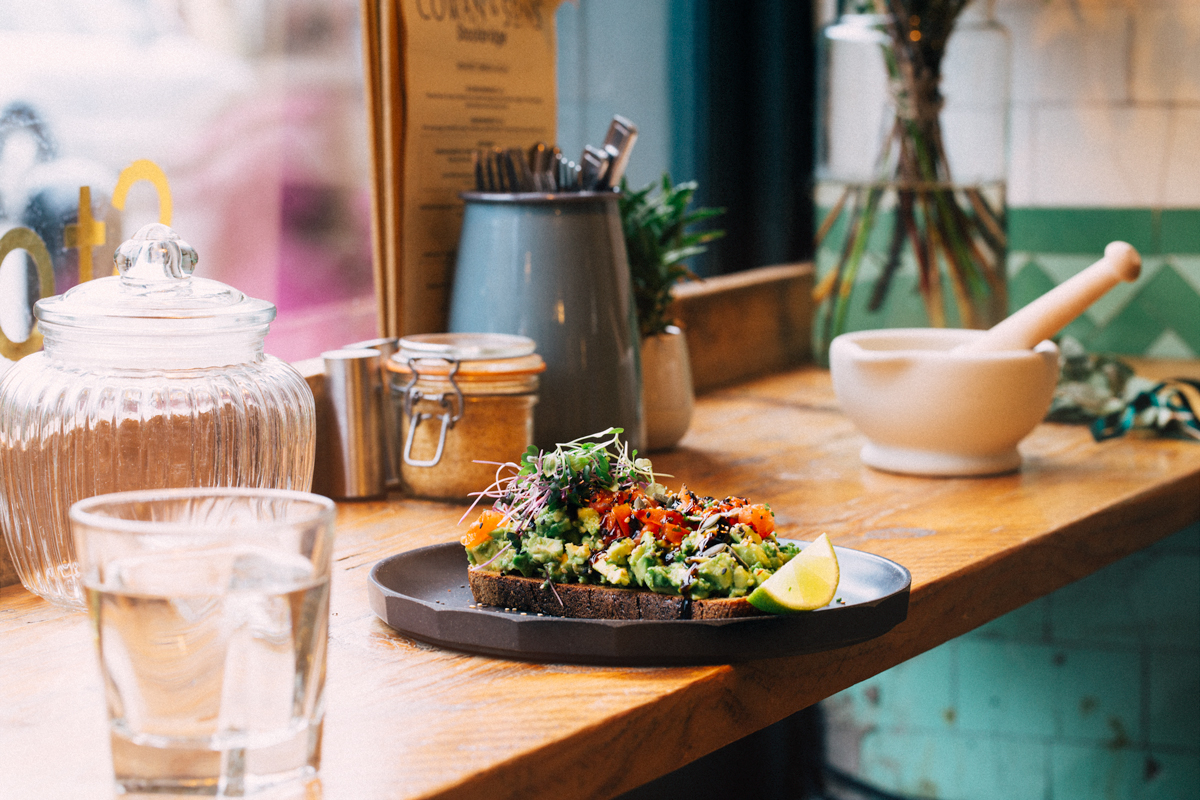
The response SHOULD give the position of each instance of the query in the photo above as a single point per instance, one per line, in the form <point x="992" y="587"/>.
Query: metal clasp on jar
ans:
<point x="451" y="415"/>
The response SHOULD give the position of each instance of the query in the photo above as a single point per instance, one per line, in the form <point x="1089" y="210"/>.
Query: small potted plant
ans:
<point x="658" y="242"/>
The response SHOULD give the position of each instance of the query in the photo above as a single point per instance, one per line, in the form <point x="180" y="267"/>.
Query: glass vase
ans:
<point x="912" y="147"/>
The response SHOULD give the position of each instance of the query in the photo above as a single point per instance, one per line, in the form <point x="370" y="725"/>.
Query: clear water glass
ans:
<point x="210" y="609"/>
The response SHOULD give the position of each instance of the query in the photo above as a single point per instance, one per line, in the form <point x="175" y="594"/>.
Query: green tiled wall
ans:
<point x="1090" y="692"/>
<point x="1087" y="230"/>
<point x="1157" y="316"/>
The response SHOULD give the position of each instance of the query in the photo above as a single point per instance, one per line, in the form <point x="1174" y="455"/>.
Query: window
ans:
<point x="253" y="109"/>
<point x="722" y="93"/>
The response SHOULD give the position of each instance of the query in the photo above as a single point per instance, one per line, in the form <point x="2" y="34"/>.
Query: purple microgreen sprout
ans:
<point x="523" y="491"/>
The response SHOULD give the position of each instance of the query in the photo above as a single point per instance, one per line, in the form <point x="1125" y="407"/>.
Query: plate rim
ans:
<point x="892" y="606"/>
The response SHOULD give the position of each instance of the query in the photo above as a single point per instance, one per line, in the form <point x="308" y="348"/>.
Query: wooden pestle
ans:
<point x="1051" y="312"/>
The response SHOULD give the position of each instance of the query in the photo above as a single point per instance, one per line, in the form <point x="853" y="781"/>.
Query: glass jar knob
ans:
<point x="154" y="254"/>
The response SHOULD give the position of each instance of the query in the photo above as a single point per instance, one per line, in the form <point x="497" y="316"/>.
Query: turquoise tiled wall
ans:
<point x="1091" y="692"/>
<point x="1158" y="315"/>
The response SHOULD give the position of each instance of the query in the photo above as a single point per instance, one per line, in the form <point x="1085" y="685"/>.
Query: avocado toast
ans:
<point x="587" y="531"/>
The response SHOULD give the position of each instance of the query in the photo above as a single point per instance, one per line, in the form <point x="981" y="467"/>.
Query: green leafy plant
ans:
<point x="658" y="242"/>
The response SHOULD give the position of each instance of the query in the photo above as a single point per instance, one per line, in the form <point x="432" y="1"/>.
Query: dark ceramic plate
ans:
<point x="424" y="594"/>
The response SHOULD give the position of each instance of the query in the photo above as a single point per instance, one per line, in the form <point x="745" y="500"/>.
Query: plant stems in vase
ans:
<point x="888" y="201"/>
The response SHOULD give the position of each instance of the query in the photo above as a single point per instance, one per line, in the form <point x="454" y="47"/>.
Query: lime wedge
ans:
<point x="806" y="582"/>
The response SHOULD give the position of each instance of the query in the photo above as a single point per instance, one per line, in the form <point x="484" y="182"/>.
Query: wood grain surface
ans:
<point x="406" y="720"/>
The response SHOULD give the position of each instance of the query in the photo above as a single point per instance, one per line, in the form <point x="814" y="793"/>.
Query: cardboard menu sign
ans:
<point x="444" y="78"/>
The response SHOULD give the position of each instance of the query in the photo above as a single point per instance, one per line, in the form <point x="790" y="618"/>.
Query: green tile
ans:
<point x="1090" y="772"/>
<point x="1007" y="687"/>
<point x="1188" y="268"/>
<point x="1073" y="691"/>
<point x="1100" y="608"/>
<point x="1061" y="266"/>
<point x="1180" y="230"/>
<point x="1173" y="303"/>
<point x="1028" y="285"/>
<point x="917" y="693"/>
<point x="1174" y="695"/>
<point x="1099" y="696"/>
<point x="1114" y="301"/>
<point x="1029" y="623"/>
<point x="998" y="769"/>
<point x="917" y="764"/>
<point x="1159" y="315"/>
<point x="1083" y="329"/>
<point x="1170" y="345"/>
<point x="1015" y="262"/>
<point x="1130" y="333"/>
<point x="1165" y="597"/>
<point x="1080" y="230"/>
<point x="1170" y="776"/>
<point x="909" y="763"/>
<point x="1044" y="271"/>
<point x="1080" y="772"/>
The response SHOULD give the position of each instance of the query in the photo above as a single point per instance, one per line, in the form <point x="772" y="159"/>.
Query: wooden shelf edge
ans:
<point x="747" y="324"/>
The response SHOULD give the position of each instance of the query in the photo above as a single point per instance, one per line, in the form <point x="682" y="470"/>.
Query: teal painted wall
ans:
<point x="1090" y="693"/>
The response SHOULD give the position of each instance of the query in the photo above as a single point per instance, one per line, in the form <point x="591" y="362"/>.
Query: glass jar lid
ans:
<point x="468" y="356"/>
<point x="465" y="346"/>
<point x="155" y="293"/>
<point x="474" y="363"/>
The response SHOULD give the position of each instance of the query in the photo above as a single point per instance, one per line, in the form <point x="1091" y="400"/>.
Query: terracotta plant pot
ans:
<point x="667" y="393"/>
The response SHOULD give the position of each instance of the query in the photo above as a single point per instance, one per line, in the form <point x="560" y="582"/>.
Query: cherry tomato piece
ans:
<point x="616" y="521"/>
<point x="662" y="523"/>
<point x="482" y="528"/>
<point x="672" y="533"/>
<point x="602" y="501"/>
<point x="759" y="517"/>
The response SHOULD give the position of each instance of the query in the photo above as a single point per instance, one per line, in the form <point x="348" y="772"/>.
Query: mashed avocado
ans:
<point x="584" y="515"/>
<point x="721" y="561"/>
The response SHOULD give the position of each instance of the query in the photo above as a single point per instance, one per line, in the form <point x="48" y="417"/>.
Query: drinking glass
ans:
<point x="210" y="610"/>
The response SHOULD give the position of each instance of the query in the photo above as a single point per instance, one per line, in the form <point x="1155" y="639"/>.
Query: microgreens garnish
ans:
<point x="565" y="476"/>
<point x="549" y="584"/>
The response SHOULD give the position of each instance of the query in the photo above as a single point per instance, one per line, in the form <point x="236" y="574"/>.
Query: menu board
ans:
<point x="445" y="78"/>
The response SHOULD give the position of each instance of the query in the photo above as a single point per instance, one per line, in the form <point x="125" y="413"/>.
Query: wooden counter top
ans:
<point x="406" y="720"/>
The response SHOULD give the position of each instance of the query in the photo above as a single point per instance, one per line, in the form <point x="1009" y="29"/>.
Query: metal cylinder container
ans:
<point x="354" y="425"/>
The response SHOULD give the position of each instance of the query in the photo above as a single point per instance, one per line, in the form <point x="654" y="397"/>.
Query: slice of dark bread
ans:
<point x="588" y="601"/>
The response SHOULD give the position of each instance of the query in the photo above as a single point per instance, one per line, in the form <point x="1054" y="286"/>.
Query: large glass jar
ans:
<point x="150" y="379"/>
<point x="911" y="163"/>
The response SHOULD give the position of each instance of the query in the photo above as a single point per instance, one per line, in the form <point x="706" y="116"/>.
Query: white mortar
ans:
<point x="928" y="411"/>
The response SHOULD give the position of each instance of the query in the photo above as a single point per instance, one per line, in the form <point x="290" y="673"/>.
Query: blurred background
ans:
<point x="255" y="110"/>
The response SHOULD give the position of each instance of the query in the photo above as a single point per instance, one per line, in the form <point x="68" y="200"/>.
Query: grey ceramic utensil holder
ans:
<point x="553" y="267"/>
